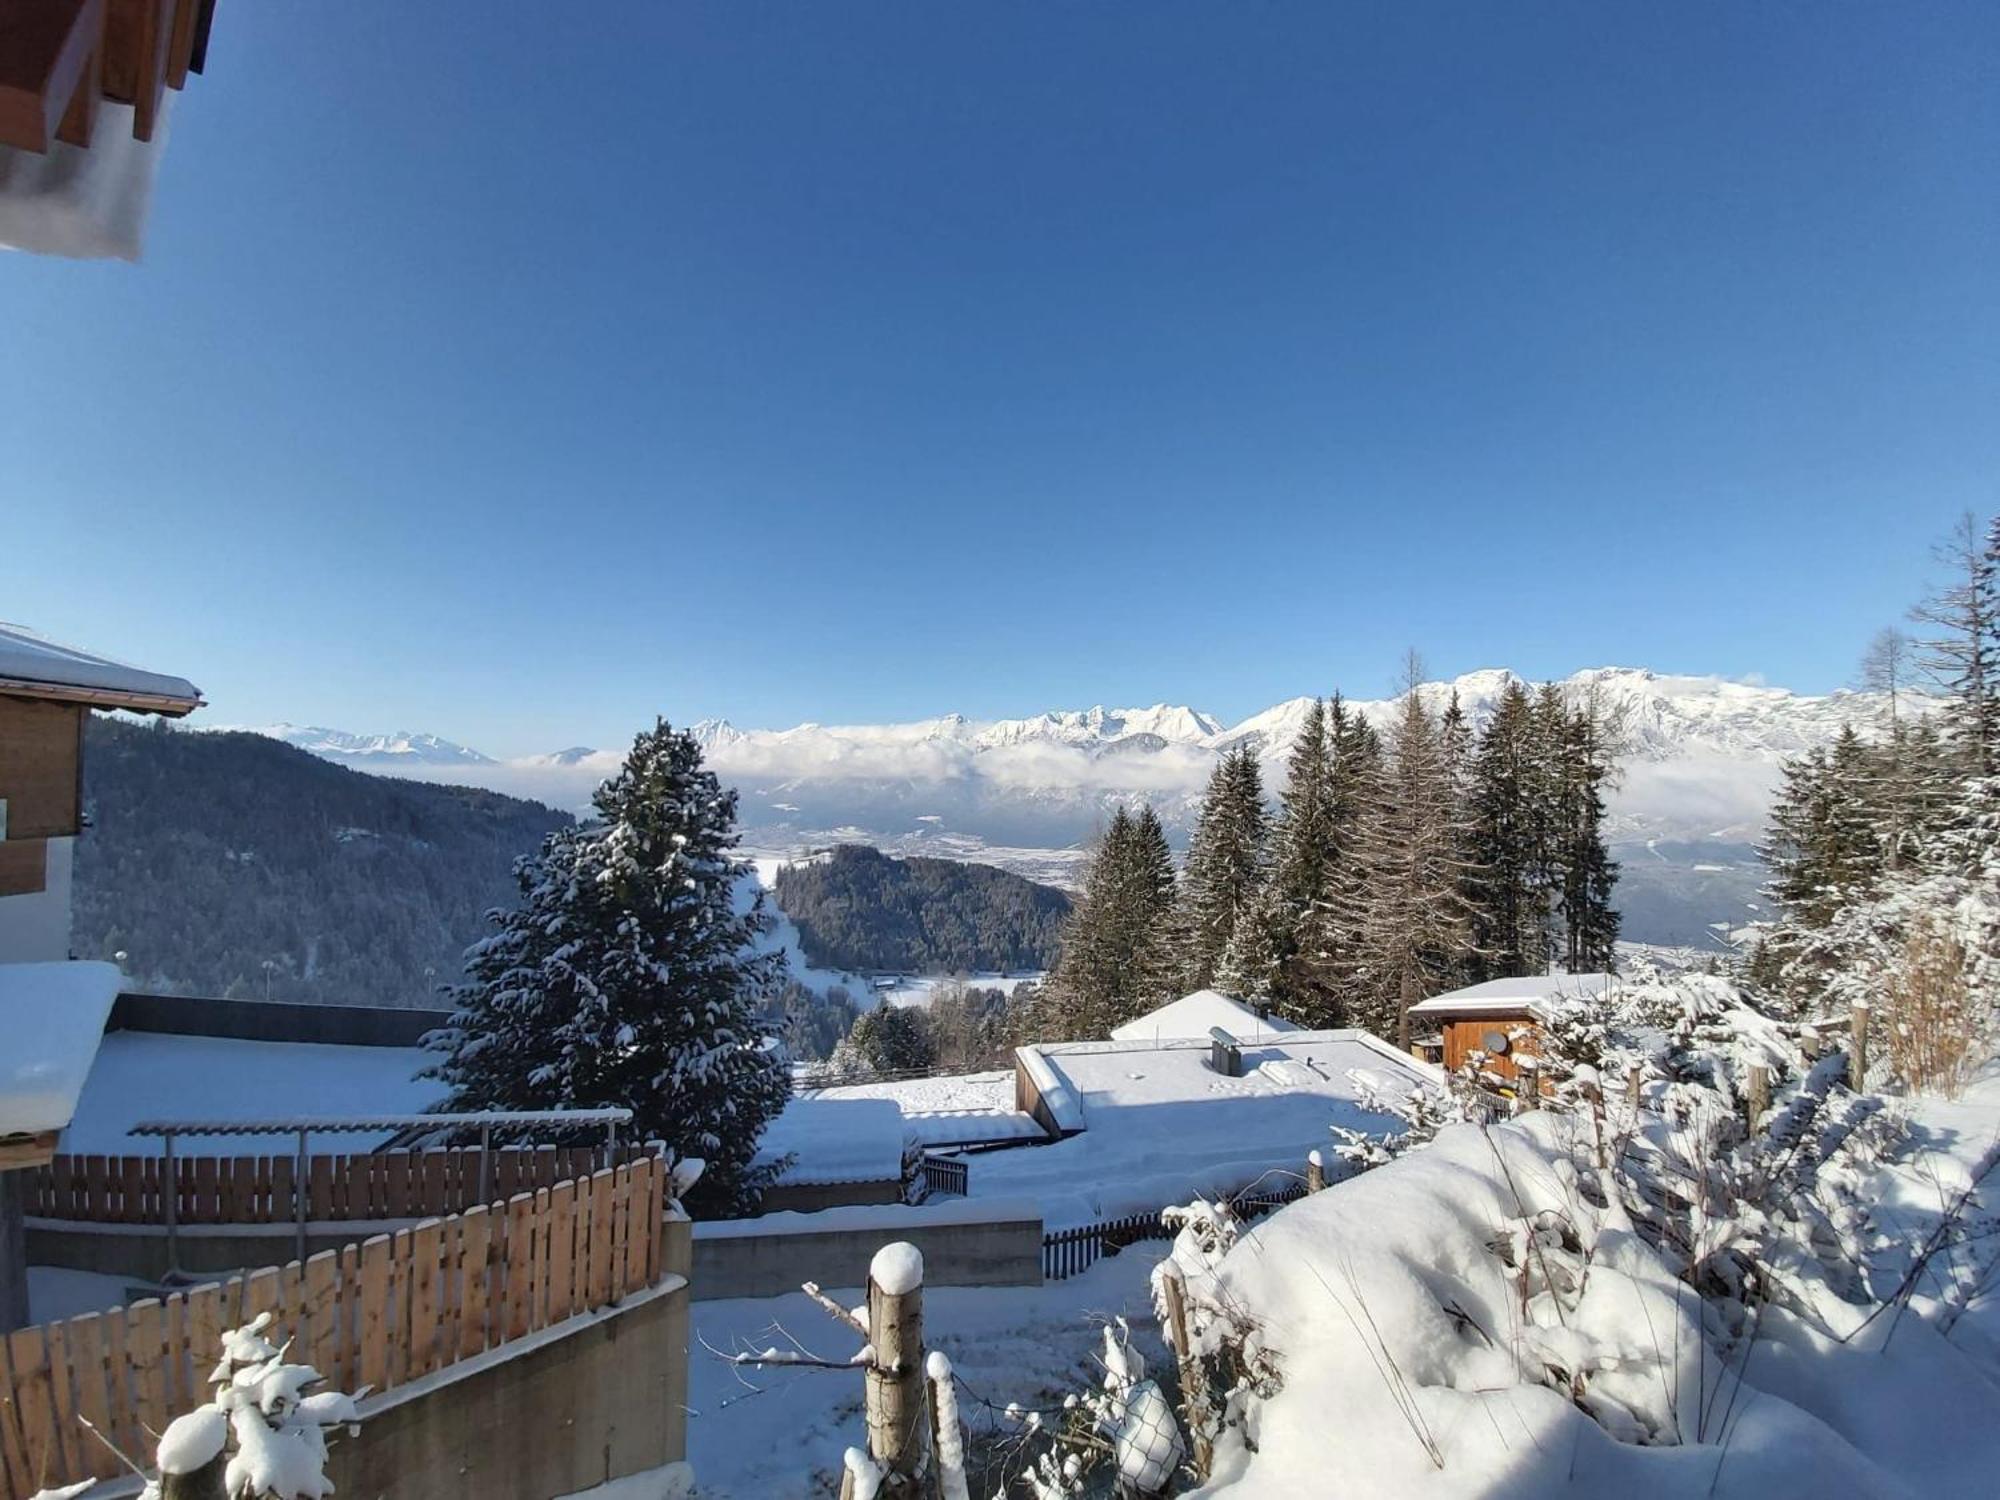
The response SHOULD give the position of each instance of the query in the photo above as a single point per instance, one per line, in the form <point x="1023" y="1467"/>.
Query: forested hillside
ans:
<point x="858" y="909"/>
<point x="211" y="856"/>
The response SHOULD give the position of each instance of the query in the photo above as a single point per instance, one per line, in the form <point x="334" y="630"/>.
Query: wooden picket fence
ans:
<point x="377" y="1314"/>
<point x="261" y="1189"/>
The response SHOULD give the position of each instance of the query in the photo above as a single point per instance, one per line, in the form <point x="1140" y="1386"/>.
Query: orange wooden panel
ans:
<point x="561" y="1274"/>
<point x="521" y="1249"/>
<point x="373" y="1342"/>
<point x="602" y="1234"/>
<point x="396" y="1331"/>
<point x="145" y="1329"/>
<point x="62" y="1403"/>
<point x="85" y="1336"/>
<point x="474" y="1250"/>
<point x="13" y="1442"/>
<point x="28" y="1363"/>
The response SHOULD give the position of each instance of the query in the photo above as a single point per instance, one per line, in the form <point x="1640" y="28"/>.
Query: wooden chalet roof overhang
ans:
<point x="58" y="58"/>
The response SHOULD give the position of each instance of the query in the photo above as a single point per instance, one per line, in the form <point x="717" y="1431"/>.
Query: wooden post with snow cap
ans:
<point x="1759" y="1098"/>
<point x="191" y="1455"/>
<point x="1857" y="1050"/>
<point x="894" y="1384"/>
<point x="1315" y="1172"/>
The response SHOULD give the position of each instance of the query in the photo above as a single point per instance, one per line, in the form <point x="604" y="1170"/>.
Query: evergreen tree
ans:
<point x="1508" y="894"/>
<point x="1112" y="965"/>
<point x="1963" y="653"/>
<point x="628" y="977"/>
<point x="1413" y="920"/>
<point x="1225" y="867"/>
<point x="1280" y="953"/>
<point x="892" y="1039"/>
<point x="1589" y="874"/>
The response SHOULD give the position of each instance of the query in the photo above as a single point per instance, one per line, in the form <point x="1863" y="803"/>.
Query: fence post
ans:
<point x="170" y="1201"/>
<point x="299" y="1194"/>
<point x="1194" y="1398"/>
<point x="1760" y="1093"/>
<point x="894" y="1383"/>
<point x="1315" y="1172"/>
<point x="1857" y="1050"/>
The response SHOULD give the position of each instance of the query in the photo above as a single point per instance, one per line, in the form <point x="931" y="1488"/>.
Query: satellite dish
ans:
<point x="1494" y="1042"/>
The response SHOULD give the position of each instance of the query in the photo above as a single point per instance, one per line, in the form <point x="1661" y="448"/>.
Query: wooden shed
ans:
<point x="1500" y="1018"/>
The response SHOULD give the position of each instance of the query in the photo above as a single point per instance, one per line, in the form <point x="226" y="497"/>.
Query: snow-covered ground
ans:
<point x="774" y="1434"/>
<point x="1415" y="1364"/>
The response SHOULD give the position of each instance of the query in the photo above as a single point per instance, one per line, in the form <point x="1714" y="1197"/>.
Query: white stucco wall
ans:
<point x="35" y="929"/>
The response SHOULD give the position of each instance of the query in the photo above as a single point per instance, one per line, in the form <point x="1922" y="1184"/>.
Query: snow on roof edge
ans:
<point x="38" y="663"/>
<point x="53" y="1015"/>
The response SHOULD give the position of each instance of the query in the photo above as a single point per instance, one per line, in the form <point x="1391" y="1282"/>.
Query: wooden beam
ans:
<point x="79" y="121"/>
<point x="180" y="46"/>
<point x="136" y="38"/>
<point x="46" y="48"/>
<point x="18" y="1152"/>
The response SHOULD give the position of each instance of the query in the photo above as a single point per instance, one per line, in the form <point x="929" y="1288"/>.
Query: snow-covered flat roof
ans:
<point x="957" y="1109"/>
<point x="141" y="1076"/>
<point x="837" y="1140"/>
<point x="1193" y="1016"/>
<point x="39" y="667"/>
<point x="1159" y="1125"/>
<point x="52" y="1016"/>
<point x="1512" y="995"/>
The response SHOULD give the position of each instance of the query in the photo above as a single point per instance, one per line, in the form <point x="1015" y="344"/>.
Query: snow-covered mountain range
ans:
<point x="1701" y="757"/>
<point x="374" y="752"/>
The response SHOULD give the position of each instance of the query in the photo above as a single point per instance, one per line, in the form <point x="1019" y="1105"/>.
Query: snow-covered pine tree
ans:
<point x="1287" y="959"/>
<point x="1225" y="866"/>
<point x="1589" y="874"/>
<point x="1112" y="965"/>
<point x="631" y="975"/>
<point x="1151" y="873"/>
<point x="1333" y="928"/>
<point x="1510" y="827"/>
<point x="1414" y="922"/>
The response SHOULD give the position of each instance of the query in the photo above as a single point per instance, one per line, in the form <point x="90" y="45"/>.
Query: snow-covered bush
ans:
<point x="1121" y="1436"/>
<point x="267" y="1424"/>
<point x="1423" y="1109"/>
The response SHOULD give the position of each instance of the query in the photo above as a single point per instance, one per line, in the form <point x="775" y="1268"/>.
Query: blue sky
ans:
<point x="517" y="375"/>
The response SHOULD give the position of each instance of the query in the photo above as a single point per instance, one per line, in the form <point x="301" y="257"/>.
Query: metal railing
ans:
<point x="947" y="1175"/>
<point x="1070" y="1252"/>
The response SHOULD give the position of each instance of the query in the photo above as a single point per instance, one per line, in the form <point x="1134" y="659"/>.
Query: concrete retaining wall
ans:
<point x="588" y="1401"/>
<point x="964" y="1243"/>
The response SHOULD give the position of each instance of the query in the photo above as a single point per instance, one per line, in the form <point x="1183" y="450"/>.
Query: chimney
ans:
<point x="1225" y="1053"/>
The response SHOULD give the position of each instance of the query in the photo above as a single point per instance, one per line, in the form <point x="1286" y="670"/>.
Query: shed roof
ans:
<point x="1524" y="995"/>
<point x="33" y="666"/>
